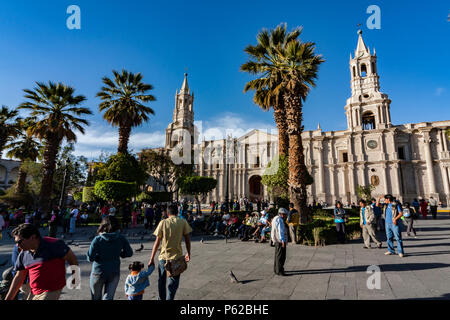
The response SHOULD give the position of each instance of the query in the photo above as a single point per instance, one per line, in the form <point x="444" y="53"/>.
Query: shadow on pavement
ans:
<point x="384" y="267"/>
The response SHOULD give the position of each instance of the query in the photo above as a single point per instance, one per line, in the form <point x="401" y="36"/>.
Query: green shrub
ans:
<point x="88" y="194"/>
<point x="124" y="167"/>
<point x="154" y="197"/>
<point x="78" y="196"/>
<point x="111" y="190"/>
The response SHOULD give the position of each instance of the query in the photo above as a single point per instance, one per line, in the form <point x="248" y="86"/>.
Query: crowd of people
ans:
<point x="39" y="261"/>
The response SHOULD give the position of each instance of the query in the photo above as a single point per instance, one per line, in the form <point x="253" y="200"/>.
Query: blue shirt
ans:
<point x="364" y="216"/>
<point x="389" y="212"/>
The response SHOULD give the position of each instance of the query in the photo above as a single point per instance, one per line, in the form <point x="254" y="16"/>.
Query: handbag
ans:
<point x="175" y="267"/>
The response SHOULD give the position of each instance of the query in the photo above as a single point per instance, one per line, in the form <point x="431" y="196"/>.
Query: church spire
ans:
<point x="185" y="86"/>
<point x="361" y="47"/>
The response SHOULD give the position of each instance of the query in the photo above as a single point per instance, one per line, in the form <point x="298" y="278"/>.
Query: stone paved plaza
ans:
<point x="330" y="272"/>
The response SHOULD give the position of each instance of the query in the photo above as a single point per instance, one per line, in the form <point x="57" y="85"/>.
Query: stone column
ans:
<point x="332" y="185"/>
<point x="429" y="162"/>
<point x="445" y="180"/>
<point x="351" y="180"/>
<point x="396" y="180"/>
<point x="321" y="183"/>
<point x="385" y="180"/>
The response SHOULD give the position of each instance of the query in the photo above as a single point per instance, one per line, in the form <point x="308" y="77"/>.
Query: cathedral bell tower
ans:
<point x="367" y="108"/>
<point x="182" y="126"/>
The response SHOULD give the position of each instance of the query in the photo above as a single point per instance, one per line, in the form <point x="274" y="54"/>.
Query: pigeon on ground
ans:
<point x="140" y="249"/>
<point x="233" y="278"/>
<point x="201" y="241"/>
<point x="3" y="263"/>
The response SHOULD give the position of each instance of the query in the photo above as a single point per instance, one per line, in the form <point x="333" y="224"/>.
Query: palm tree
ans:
<point x="26" y="148"/>
<point x="57" y="114"/>
<point x="8" y="126"/>
<point x="122" y="100"/>
<point x="290" y="70"/>
<point x="268" y="92"/>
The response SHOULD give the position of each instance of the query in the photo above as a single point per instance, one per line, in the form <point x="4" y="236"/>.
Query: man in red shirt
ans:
<point x="43" y="260"/>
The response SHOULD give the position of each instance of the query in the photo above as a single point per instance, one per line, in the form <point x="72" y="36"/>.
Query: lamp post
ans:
<point x="66" y="164"/>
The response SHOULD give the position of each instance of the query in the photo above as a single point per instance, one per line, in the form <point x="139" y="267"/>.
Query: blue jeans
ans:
<point x="394" y="231"/>
<point x="108" y="282"/>
<point x="172" y="285"/>
<point x="138" y="297"/>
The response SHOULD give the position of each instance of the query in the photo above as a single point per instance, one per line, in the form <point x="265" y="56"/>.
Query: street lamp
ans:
<point x="66" y="164"/>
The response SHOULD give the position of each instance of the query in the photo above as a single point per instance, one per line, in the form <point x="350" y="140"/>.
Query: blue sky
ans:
<point x="162" y="39"/>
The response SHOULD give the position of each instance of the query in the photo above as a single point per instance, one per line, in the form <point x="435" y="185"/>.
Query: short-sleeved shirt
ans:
<point x="46" y="267"/>
<point x="171" y="232"/>
<point x="389" y="212"/>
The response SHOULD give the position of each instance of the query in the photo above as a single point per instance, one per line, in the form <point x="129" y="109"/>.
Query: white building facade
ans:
<point x="408" y="161"/>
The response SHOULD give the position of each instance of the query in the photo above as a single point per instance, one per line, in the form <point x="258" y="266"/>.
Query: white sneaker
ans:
<point x="401" y="255"/>
<point x="388" y="253"/>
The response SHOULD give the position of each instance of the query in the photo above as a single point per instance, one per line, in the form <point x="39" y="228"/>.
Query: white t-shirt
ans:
<point x="74" y="213"/>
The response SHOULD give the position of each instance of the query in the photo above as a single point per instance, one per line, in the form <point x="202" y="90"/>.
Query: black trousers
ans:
<point x="433" y="210"/>
<point x="280" y="258"/>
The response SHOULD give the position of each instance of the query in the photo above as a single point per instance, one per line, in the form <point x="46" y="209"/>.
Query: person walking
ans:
<point x="433" y="207"/>
<point x="379" y="221"/>
<point x="53" y="224"/>
<point x="73" y="219"/>
<point x="339" y="220"/>
<point x="66" y="220"/>
<point x="423" y="208"/>
<point x="105" y="252"/>
<point x="393" y="213"/>
<point x="137" y="280"/>
<point x="149" y="215"/>
<point x="169" y="234"/>
<point x="43" y="260"/>
<point x="293" y="222"/>
<point x="126" y="215"/>
<point x="279" y="238"/>
<point x="367" y="222"/>
<point x="416" y="206"/>
<point x="409" y="219"/>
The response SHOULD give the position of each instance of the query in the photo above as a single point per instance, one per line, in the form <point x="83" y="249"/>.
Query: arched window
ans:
<point x="363" y="70"/>
<point x="368" y="121"/>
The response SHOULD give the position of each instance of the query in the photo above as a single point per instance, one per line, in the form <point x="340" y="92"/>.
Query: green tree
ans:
<point x="110" y="190"/>
<point x="124" y="167"/>
<point x="365" y="192"/>
<point x="268" y="89"/>
<point x="9" y="126"/>
<point x="447" y="132"/>
<point x="122" y="100"/>
<point x="88" y="194"/>
<point x="160" y="166"/>
<point x="25" y="148"/>
<point x="276" y="176"/>
<point x="296" y="65"/>
<point x="196" y="186"/>
<point x="58" y="116"/>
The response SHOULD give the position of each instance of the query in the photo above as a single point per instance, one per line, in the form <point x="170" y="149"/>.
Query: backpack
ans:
<point x="406" y="213"/>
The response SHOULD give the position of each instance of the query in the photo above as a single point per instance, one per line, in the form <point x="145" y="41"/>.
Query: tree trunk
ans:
<point x="48" y="169"/>
<point x="297" y="168"/>
<point x="124" y="137"/>
<point x="279" y="115"/>
<point x="21" y="180"/>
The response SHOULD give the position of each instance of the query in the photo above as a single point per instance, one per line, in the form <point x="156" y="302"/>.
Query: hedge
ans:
<point x="154" y="197"/>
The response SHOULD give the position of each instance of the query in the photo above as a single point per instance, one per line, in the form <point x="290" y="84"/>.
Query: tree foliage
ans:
<point x="123" y="167"/>
<point x="196" y="185"/>
<point x="88" y="194"/>
<point x="154" y="197"/>
<point x="365" y="192"/>
<point x="112" y="190"/>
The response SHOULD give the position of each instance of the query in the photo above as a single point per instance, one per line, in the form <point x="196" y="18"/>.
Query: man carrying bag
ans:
<point x="172" y="263"/>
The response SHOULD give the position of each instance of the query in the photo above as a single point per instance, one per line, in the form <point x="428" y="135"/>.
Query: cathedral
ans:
<point x="406" y="160"/>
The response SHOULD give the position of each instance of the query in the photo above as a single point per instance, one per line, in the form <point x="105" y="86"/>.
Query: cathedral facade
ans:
<point x="407" y="160"/>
